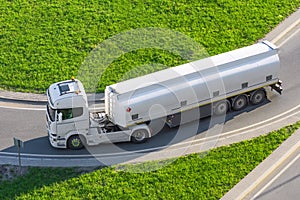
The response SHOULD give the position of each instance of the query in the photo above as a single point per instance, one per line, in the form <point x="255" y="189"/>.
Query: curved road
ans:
<point x="27" y="122"/>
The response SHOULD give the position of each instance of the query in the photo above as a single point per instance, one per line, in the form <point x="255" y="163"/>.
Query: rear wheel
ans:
<point x="139" y="136"/>
<point x="221" y="108"/>
<point x="240" y="102"/>
<point x="257" y="97"/>
<point x="75" y="142"/>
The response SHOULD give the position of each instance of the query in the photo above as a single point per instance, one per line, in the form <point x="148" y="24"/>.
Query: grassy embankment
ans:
<point x="198" y="176"/>
<point x="46" y="41"/>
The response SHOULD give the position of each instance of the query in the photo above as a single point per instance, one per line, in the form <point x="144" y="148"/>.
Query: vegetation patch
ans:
<point x="44" y="41"/>
<point x="10" y="172"/>
<point x="207" y="175"/>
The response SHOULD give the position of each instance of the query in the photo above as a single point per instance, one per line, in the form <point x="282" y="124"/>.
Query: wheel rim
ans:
<point x="76" y="142"/>
<point x="139" y="135"/>
<point x="257" y="97"/>
<point x="221" y="108"/>
<point x="240" y="103"/>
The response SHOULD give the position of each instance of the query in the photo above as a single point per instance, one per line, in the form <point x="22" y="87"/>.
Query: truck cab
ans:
<point x="70" y="124"/>
<point x="67" y="111"/>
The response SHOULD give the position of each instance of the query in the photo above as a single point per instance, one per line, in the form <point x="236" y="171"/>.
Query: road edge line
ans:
<point x="258" y="174"/>
<point x="286" y="31"/>
<point x="278" y="175"/>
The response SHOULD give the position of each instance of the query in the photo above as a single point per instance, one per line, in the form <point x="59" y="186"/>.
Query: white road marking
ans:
<point x="287" y="39"/>
<point x="23" y="108"/>
<point x="275" y="177"/>
<point x="37" y="108"/>
<point x="196" y="142"/>
<point x="282" y="34"/>
<point x="242" y="130"/>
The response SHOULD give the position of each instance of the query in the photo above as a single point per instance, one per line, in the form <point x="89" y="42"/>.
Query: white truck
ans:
<point x="214" y="85"/>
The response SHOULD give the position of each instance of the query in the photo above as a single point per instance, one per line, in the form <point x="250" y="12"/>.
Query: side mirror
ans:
<point x="59" y="117"/>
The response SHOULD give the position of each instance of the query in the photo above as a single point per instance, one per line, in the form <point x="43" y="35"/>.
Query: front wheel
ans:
<point x="139" y="136"/>
<point x="75" y="142"/>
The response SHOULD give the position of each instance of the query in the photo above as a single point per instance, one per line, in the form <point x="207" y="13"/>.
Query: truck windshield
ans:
<point x="51" y="112"/>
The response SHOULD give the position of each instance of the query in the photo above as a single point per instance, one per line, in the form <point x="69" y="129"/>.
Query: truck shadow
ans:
<point x="205" y="127"/>
<point x="121" y="152"/>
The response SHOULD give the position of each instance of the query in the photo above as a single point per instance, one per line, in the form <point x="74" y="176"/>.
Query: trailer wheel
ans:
<point x="75" y="142"/>
<point x="220" y="108"/>
<point x="139" y="136"/>
<point x="257" y="97"/>
<point x="240" y="102"/>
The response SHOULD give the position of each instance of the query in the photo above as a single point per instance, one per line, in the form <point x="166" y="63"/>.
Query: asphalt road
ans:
<point x="284" y="184"/>
<point x="29" y="124"/>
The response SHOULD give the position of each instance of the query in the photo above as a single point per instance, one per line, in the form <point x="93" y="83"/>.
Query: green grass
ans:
<point x="44" y="41"/>
<point x="207" y="175"/>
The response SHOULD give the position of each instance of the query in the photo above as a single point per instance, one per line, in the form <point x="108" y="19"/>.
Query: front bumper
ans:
<point x="56" y="142"/>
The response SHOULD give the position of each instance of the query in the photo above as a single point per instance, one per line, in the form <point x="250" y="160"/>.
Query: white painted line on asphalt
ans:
<point x="268" y="172"/>
<point x="23" y="108"/>
<point x="287" y="39"/>
<point x="275" y="177"/>
<point x="222" y="136"/>
<point x="264" y="122"/>
<point x="208" y="139"/>
<point x="196" y="142"/>
<point x="35" y="109"/>
<point x="267" y="124"/>
<point x="242" y="130"/>
<point x="283" y="33"/>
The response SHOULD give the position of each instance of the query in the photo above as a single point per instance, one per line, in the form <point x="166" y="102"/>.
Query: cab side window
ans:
<point x="70" y="113"/>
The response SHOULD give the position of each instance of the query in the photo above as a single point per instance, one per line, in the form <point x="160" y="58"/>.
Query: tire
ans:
<point x="139" y="136"/>
<point x="240" y="102"/>
<point x="220" y="108"/>
<point x="75" y="142"/>
<point x="257" y="97"/>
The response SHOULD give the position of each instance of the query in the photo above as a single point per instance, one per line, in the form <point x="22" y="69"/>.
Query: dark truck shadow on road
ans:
<point x="126" y="151"/>
<point x="170" y="136"/>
